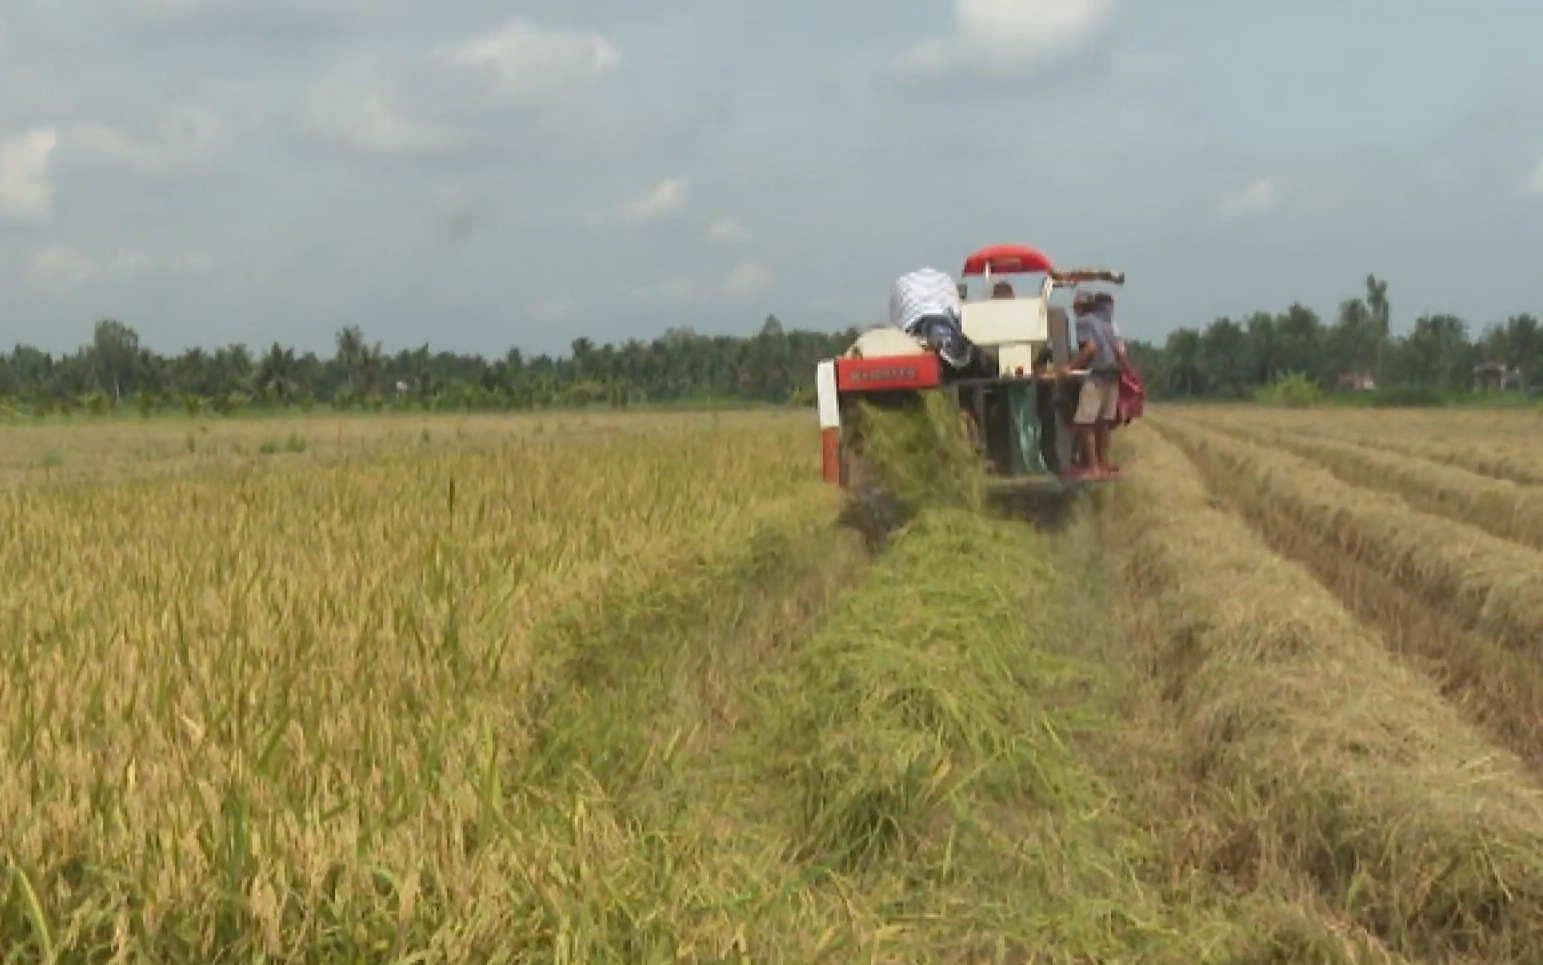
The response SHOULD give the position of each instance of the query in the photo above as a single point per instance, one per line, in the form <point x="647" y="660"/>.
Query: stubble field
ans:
<point x="589" y="689"/>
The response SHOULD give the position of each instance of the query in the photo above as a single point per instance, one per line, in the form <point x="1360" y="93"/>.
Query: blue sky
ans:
<point x="479" y="175"/>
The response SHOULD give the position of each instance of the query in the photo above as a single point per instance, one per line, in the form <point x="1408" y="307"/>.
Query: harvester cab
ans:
<point x="1014" y="407"/>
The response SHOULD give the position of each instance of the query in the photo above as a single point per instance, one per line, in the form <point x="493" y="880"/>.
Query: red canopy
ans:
<point x="1007" y="260"/>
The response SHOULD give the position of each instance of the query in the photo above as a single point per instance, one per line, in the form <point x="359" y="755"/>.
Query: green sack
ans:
<point x="1021" y="401"/>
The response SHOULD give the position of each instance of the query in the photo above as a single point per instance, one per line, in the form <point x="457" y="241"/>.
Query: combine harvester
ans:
<point x="1012" y="406"/>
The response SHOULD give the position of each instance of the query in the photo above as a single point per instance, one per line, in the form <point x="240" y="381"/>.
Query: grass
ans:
<point x="611" y="689"/>
<point x="294" y="442"/>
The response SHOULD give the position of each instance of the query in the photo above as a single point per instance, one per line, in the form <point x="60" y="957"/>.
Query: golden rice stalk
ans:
<point x="234" y="700"/>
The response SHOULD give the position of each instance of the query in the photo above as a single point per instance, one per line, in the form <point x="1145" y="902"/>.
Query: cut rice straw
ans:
<point x="1496" y="585"/>
<point x="1316" y="750"/>
<point x="1509" y="510"/>
<point x="1495" y="444"/>
<point x="919" y="453"/>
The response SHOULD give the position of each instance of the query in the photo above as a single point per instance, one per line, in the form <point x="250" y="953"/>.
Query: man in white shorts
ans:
<point x="1102" y="353"/>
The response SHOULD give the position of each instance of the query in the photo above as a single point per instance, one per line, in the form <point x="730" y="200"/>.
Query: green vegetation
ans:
<point x="1294" y="390"/>
<point x="115" y="373"/>
<point x="294" y="442"/>
<point x="1356" y="358"/>
<point x="1230" y="359"/>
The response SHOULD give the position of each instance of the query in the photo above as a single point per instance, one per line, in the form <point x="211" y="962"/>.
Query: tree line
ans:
<point x="114" y="370"/>
<point x="1355" y="351"/>
<point x="1228" y="358"/>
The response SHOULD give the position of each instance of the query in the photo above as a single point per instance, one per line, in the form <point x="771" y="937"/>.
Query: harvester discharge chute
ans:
<point x="1014" y="407"/>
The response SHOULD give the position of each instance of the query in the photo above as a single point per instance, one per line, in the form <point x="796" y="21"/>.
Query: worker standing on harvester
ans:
<point x="926" y="304"/>
<point x="1102" y="352"/>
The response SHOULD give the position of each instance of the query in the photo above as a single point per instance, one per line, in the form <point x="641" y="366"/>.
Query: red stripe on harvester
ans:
<point x="884" y="374"/>
<point x="830" y="455"/>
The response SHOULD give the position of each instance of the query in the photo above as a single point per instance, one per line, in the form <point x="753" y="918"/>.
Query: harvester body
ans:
<point x="1014" y="406"/>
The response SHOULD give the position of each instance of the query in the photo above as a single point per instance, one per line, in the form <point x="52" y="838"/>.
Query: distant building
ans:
<point x="1358" y="382"/>
<point x="1496" y="377"/>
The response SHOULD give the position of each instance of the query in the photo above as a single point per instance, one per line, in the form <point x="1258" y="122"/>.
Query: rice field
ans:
<point x="631" y="689"/>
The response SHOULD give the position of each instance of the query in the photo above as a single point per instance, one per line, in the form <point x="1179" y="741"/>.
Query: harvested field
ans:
<point x="1496" y="443"/>
<point x="1493" y="583"/>
<point x="632" y="688"/>
<point x="1323" y="757"/>
<point x="1503" y="508"/>
<point x="1438" y="589"/>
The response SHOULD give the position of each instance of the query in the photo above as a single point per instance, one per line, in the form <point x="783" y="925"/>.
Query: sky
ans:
<point x="481" y="175"/>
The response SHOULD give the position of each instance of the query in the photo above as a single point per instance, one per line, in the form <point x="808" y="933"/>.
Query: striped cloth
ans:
<point x="922" y="293"/>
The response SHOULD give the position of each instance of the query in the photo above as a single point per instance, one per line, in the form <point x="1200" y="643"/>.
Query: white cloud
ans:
<point x="361" y="116"/>
<point x="185" y="8"/>
<point x="750" y="278"/>
<point x="240" y="13"/>
<point x="26" y="183"/>
<point x="528" y="63"/>
<point x="165" y="8"/>
<point x="555" y="309"/>
<point x="673" y="290"/>
<point x="666" y="198"/>
<point x="726" y="231"/>
<point x="185" y="136"/>
<point x="1535" y="182"/>
<point x="61" y="266"/>
<point x="1440" y="170"/>
<point x="998" y="38"/>
<point x="1257" y="199"/>
<point x="747" y="279"/>
<point x="844" y="301"/>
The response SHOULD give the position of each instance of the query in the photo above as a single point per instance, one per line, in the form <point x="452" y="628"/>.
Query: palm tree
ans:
<point x="276" y="373"/>
<point x="350" y="342"/>
<point x="371" y="365"/>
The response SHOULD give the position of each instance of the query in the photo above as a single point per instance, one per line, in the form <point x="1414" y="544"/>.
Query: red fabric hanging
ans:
<point x="1133" y="396"/>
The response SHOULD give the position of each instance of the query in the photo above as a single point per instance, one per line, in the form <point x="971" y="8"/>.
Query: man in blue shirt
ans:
<point x="1102" y="353"/>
